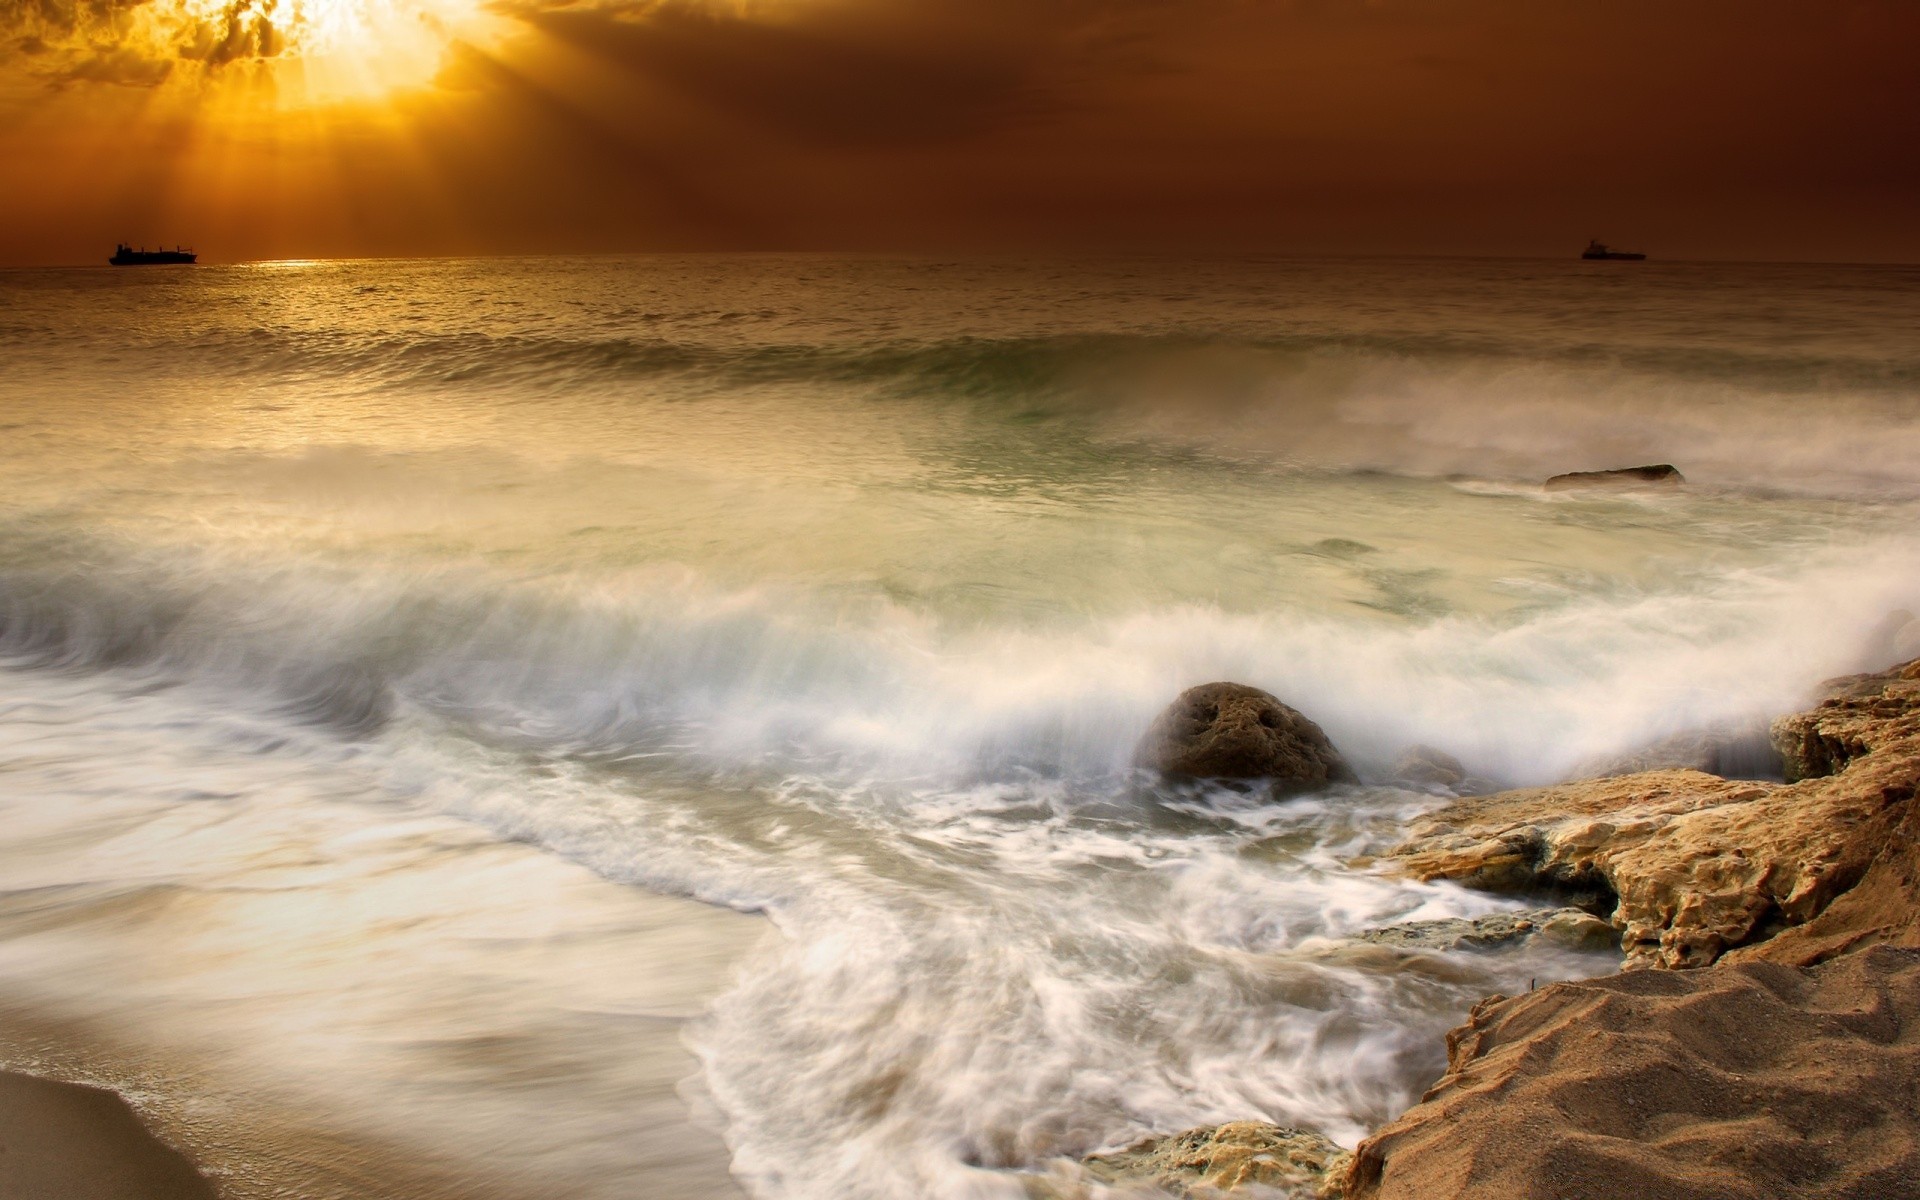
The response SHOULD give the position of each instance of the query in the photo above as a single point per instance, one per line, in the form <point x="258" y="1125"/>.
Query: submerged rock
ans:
<point x="1657" y="475"/>
<point x="1247" y="1157"/>
<point x="1424" y="766"/>
<point x="1729" y="751"/>
<point x="1571" y="927"/>
<point x="1232" y="731"/>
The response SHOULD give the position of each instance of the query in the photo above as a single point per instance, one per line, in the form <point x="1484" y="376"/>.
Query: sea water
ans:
<point x="408" y="665"/>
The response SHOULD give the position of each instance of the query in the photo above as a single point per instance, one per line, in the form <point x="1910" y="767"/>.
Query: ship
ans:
<point x="126" y="256"/>
<point x="1599" y="249"/>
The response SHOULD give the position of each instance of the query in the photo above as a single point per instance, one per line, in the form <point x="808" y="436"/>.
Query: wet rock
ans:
<point x="1856" y="714"/>
<point x="1783" y="1071"/>
<point x="1729" y="751"/>
<point x="1232" y="731"/>
<point x="1240" y="1157"/>
<point x="1657" y="475"/>
<point x="1696" y="865"/>
<point x="1570" y="927"/>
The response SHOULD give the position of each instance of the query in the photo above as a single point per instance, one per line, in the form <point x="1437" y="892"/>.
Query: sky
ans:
<point x="1742" y="129"/>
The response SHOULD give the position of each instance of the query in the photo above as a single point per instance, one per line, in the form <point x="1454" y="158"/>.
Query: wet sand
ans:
<point x="61" y="1141"/>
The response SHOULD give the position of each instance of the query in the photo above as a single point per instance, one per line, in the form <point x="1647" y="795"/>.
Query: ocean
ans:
<point x="662" y="726"/>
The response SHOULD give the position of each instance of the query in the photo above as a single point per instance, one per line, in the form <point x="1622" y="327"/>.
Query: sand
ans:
<point x="1750" y="1081"/>
<point x="63" y="1141"/>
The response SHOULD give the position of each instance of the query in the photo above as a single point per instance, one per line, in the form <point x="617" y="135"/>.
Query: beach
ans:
<point x="671" y="725"/>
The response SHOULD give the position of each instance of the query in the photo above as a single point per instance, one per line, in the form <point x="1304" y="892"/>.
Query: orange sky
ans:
<point x="1688" y="128"/>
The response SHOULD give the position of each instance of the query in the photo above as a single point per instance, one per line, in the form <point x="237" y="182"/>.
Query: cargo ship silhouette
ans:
<point x="1599" y="249"/>
<point x="126" y="256"/>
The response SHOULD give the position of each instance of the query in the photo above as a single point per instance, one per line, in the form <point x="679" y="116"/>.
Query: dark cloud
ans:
<point x="855" y="73"/>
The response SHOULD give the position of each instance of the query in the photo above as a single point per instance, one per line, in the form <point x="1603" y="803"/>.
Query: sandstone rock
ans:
<point x="1858" y="714"/>
<point x="1238" y="1157"/>
<point x="1691" y="865"/>
<point x="1658" y="475"/>
<point x="1787" y="1070"/>
<point x="1232" y="731"/>
<point x="1568" y="926"/>
<point x="1750" y="1081"/>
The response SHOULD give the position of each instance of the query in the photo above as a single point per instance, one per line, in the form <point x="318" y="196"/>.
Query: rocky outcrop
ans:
<point x="1787" y="1070"/>
<point x="1686" y="865"/>
<point x="1751" y="1081"/>
<point x="1238" y="1156"/>
<point x="1698" y="865"/>
<point x="1657" y="475"/>
<point x="1568" y="926"/>
<point x="1857" y="715"/>
<point x="1232" y="731"/>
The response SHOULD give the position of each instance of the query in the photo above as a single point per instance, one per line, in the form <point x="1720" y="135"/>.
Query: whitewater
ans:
<point x="663" y="726"/>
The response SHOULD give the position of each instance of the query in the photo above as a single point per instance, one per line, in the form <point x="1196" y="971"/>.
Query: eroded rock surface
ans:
<point x="1858" y="715"/>
<point x="1788" y="1070"/>
<point x="1239" y="1156"/>
<point x="1698" y="865"/>
<point x="1232" y="731"/>
<point x="1569" y="926"/>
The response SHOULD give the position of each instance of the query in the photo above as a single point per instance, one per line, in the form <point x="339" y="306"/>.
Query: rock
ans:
<point x="1749" y="1081"/>
<point x="1691" y="865"/>
<point x="1729" y="751"/>
<point x="1568" y="926"/>
<point x="1658" y="475"/>
<point x="1424" y="766"/>
<point x="1857" y="713"/>
<point x="1786" y="1070"/>
<point x="1238" y="1157"/>
<point x="1232" y="731"/>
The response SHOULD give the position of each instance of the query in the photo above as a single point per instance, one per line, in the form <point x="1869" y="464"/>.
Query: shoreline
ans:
<point x="1762" y="1039"/>
<point x="1768" y="1013"/>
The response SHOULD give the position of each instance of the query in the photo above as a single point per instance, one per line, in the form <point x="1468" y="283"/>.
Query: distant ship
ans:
<point x="1599" y="249"/>
<point x="127" y="256"/>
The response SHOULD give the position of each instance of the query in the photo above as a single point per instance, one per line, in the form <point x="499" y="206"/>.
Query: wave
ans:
<point x="1749" y="417"/>
<point x="788" y="680"/>
<point x="972" y="364"/>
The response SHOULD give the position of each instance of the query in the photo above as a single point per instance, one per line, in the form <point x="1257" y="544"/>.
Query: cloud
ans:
<point x="133" y="43"/>
<point x="849" y="73"/>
